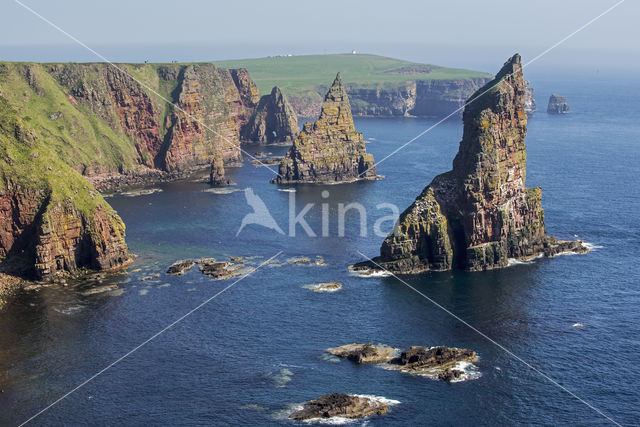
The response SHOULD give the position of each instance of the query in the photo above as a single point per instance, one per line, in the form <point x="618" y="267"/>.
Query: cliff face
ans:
<point x="558" y="105"/>
<point x="479" y="214"/>
<point x="51" y="219"/>
<point x="427" y="98"/>
<point x="329" y="150"/>
<point x="274" y="120"/>
<point x="529" y="98"/>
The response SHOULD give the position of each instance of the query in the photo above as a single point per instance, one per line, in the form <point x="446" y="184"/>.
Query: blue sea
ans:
<point x="255" y="351"/>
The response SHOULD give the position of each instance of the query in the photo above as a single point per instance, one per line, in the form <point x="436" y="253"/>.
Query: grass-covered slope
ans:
<point x="51" y="218"/>
<point x="296" y="75"/>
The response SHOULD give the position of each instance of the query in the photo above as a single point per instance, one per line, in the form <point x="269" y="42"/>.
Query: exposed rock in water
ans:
<point x="217" y="175"/>
<point x="180" y="267"/>
<point x="529" y="99"/>
<point x="325" y="287"/>
<point x="273" y="120"/>
<point x="449" y="375"/>
<point x="436" y="362"/>
<point x="364" y="353"/>
<point x="480" y="214"/>
<point x="269" y="161"/>
<point x="558" y="105"/>
<point x="220" y="270"/>
<point x="329" y="150"/>
<point x="340" y="405"/>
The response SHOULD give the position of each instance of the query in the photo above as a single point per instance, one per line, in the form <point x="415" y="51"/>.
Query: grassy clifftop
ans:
<point x="297" y="75"/>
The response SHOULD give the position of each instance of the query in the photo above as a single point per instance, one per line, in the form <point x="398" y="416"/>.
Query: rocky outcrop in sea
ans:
<point x="330" y="150"/>
<point x="558" y="105"/>
<point x="340" y="405"/>
<point x="480" y="214"/>
<point x="273" y="121"/>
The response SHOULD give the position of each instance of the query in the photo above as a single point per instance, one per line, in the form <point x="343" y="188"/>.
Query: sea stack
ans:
<point x="329" y="150"/>
<point x="217" y="177"/>
<point x="274" y="120"/>
<point x="479" y="214"/>
<point x="558" y="105"/>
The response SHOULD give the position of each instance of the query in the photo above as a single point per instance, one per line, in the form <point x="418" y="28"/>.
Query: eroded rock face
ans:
<point x="340" y="405"/>
<point x="329" y="150"/>
<point x="273" y="120"/>
<point x="558" y="105"/>
<point x="479" y="214"/>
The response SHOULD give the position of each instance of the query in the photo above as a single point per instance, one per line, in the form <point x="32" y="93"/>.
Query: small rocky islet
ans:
<point x="340" y="405"/>
<point x="439" y="362"/>
<point x="558" y="105"/>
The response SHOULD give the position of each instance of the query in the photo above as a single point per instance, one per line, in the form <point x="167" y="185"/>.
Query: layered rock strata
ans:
<point x="480" y="214"/>
<point x="330" y="150"/>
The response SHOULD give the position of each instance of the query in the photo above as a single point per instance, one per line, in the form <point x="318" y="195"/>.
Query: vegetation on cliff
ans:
<point x="51" y="218"/>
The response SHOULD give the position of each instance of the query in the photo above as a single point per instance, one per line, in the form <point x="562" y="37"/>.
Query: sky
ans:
<point x="471" y="34"/>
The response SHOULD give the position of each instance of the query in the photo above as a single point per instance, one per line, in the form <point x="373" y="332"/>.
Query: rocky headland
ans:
<point x="330" y="150"/>
<point x="480" y="214"/>
<point x="68" y="131"/>
<point x="558" y="105"/>
<point x="340" y="405"/>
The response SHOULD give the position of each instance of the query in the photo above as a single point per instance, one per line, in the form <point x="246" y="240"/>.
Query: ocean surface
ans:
<point x="256" y="350"/>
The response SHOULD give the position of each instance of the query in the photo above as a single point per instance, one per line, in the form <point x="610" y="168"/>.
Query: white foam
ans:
<point x="470" y="370"/>
<point x="287" y="190"/>
<point x="578" y="325"/>
<point x="512" y="261"/>
<point x="591" y="246"/>
<point x="145" y="192"/>
<point x="380" y="399"/>
<point x="69" y="310"/>
<point x="371" y="273"/>
<point x="143" y="291"/>
<point x="222" y="190"/>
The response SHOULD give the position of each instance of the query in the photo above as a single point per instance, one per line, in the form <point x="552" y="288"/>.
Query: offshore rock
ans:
<point x="364" y="353"/>
<point x="435" y="362"/>
<point x="479" y="214"/>
<point x="217" y="175"/>
<point x="274" y="120"/>
<point x="558" y="105"/>
<point x="340" y="405"/>
<point x="178" y="268"/>
<point x="329" y="150"/>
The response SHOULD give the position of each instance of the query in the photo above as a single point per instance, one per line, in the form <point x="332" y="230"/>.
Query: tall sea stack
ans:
<point x="329" y="150"/>
<point x="274" y="120"/>
<point x="479" y="214"/>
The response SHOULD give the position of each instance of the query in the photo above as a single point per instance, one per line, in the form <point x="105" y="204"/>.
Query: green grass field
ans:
<point x="298" y="75"/>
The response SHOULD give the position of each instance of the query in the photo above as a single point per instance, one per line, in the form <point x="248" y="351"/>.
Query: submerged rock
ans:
<point x="340" y="405"/>
<point x="480" y="214"/>
<point x="329" y="150"/>
<point x="180" y="267"/>
<point x="558" y="105"/>
<point x="364" y="353"/>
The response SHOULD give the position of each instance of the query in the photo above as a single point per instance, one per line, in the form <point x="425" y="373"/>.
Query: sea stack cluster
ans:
<point x="481" y="213"/>
<point x="330" y="150"/>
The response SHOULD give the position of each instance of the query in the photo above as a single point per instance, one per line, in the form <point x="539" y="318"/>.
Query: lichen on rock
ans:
<point x="481" y="213"/>
<point x="330" y="150"/>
